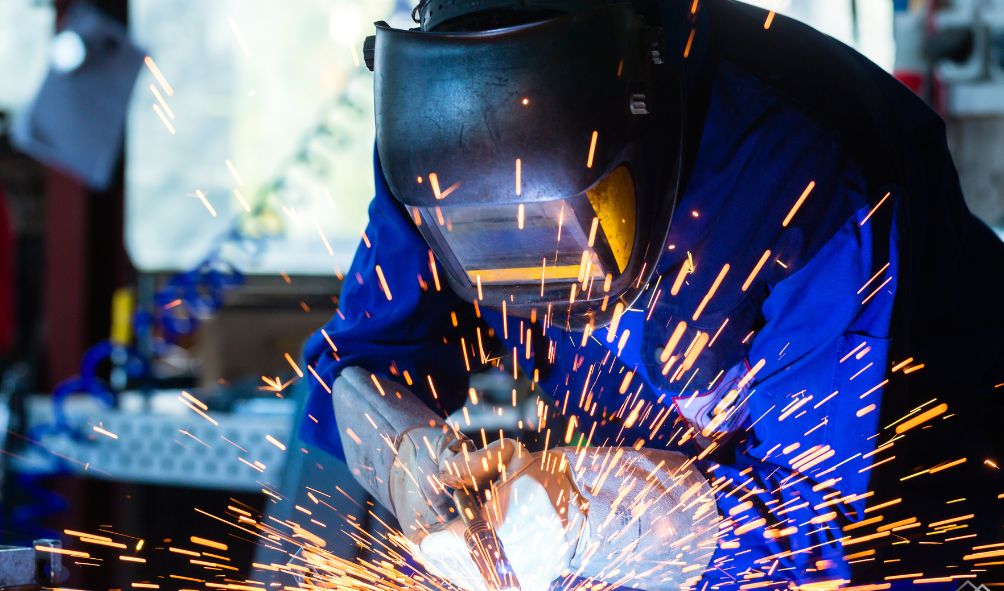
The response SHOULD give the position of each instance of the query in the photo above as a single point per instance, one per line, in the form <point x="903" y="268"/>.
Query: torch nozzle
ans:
<point x="484" y="545"/>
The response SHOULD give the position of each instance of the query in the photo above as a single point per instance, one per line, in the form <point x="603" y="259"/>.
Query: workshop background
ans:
<point x="182" y="183"/>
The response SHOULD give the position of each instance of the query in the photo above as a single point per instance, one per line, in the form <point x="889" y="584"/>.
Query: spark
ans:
<point x="324" y="239"/>
<point x="756" y="271"/>
<point x="191" y="402"/>
<point x="104" y="432"/>
<point x="877" y="290"/>
<point x="240" y="199"/>
<point x="798" y="204"/>
<point x="383" y="283"/>
<point x="318" y="378"/>
<point x="519" y="180"/>
<point x="947" y="465"/>
<point x="690" y="43"/>
<point x="770" y="20"/>
<point x="164" y="120"/>
<point x="161" y="101"/>
<point x="434" y="183"/>
<point x="278" y="444"/>
<point x="293" y="364"/>
<point x="234" y="173"/>
<point x="711" y="292"/>
<point x="64" y="551"/>
<point x="239" y="37"/>
<point x="921" y="419"/>
<point x="205" y="201"/>
<point x="874" y="209"/>
<point x="158" y="75"/>
<point x="592" y="149"/>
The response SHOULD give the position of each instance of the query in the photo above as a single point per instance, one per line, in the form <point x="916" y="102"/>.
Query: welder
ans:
<point x="730" y="251"/>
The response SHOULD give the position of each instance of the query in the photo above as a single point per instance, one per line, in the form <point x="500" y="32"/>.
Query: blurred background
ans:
<point x="182" y="185"/>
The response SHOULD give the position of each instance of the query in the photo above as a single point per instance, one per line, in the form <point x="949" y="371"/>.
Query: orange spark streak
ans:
<point x="922" y="418"/>
<point x="383" y="283"/>
<point x="158" y="75"/>
<point x="293" y="364"/>
<point x="687" y="268"/>
<point x="874" y="277"/>
<point x="690" y="43"/>
<point x="73" y="553"/>
<point x="798" y="204"/>
<point x="674" y="340"/>
<point x="711" y="292"/>
<point x="318" y="378"/>
<point x="901" y="365"/>
<point x="208" y="543"/>
<point x="946" y="466"/>
<point x="519" y="176"/>
<point x="592" y="149"/>
<point x="756" y="271"/>
<point x="877" y="290"/>
<point x="874" y="209"/>
<point x="434" y="183"/>
<point x="769" y="21"/>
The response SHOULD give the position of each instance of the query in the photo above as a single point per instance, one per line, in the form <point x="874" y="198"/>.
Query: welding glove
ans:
<point x="645" y="519"/>
<point x="396" y="447"/>
<point x="534" y="507"/>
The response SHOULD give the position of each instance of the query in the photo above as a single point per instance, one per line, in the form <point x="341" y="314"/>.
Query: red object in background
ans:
<point x="7" y="244"/>
<point x="912" y="80"/>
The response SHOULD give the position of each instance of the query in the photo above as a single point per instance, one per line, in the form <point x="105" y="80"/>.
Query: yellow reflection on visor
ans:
<point x="613" y="200"/>
<point x="525" y="274"/>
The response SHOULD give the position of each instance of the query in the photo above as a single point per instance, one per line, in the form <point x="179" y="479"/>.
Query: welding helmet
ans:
<point x="540" y="161"/>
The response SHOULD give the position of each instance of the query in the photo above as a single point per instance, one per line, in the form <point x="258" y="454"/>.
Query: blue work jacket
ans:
<point x="822" y="235"/>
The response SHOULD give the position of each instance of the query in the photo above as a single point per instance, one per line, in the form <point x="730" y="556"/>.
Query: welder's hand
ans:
<point x="644" y="519"/>
<point x="396" y="447"/>
<point x="534" y="507"/>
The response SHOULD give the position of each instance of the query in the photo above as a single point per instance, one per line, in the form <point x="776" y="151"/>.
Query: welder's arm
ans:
<point x="801" y="475"/>
<point x="397" y="448"/>
<point x="405" y="331"/>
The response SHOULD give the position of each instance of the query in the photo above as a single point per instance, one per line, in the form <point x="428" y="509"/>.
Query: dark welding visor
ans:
<point x="539" y="161"/>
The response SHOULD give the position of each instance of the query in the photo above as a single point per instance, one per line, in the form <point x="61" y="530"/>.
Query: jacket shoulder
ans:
<point x="830" y="82"/>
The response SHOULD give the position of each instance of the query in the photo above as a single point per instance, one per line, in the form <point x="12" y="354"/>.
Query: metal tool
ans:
<point x="29" y="568"/>
<point x="484" y="545"/>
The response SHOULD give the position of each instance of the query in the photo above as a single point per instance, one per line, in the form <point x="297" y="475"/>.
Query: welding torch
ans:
<point x="483" y="543"/>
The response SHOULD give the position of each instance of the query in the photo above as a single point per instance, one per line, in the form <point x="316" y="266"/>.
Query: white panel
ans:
<point x="25" y="29"/>
<point x="252" y="80"/>
<point x="833" y="17"/>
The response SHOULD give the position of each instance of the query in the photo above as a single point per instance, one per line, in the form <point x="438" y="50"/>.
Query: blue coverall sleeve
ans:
<point x="801" y="475"/>
<point x="399" y="325"/>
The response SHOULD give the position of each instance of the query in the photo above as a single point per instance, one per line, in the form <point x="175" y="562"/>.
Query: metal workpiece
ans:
<point x="31" y="567"/>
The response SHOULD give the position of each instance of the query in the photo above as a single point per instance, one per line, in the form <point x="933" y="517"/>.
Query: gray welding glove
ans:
<point x="535" y="510"/>
<point x="396" y="447"/>
<point x="644" y="519"/>
<point x="652" y="522"/>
